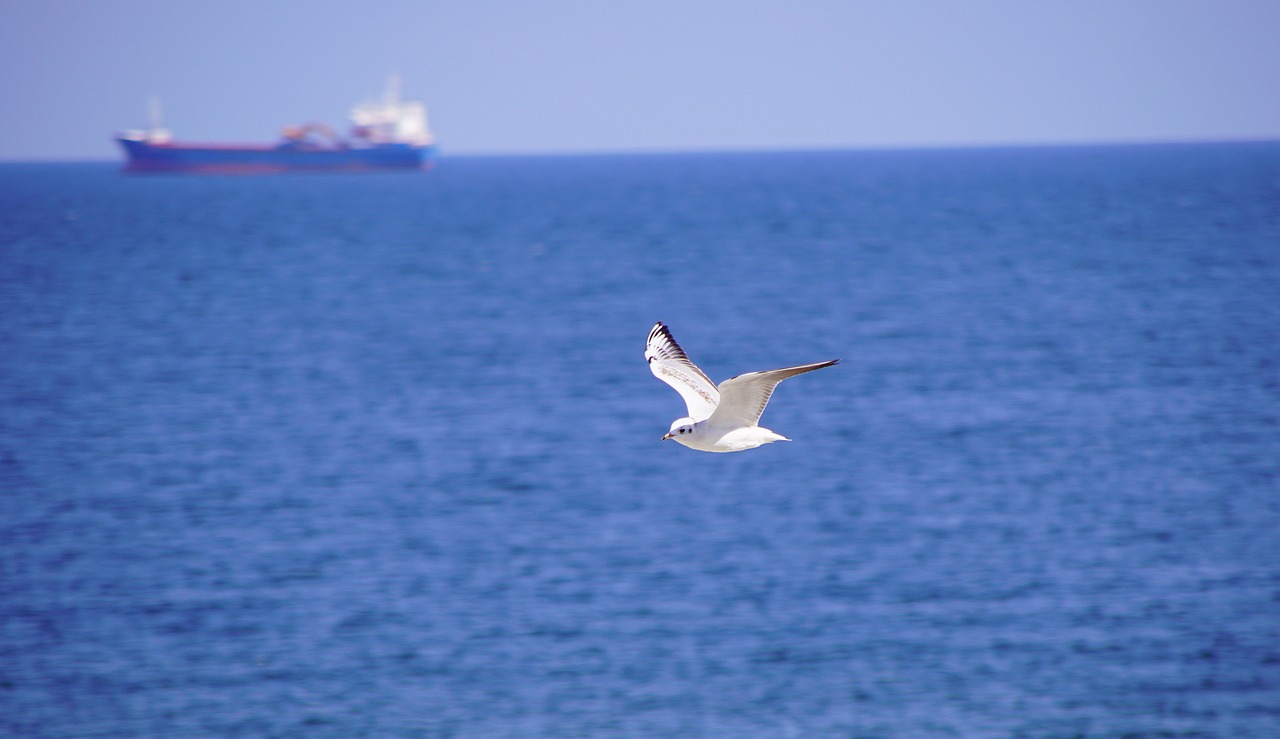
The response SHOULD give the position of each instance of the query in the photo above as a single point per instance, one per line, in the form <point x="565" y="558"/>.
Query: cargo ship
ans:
<point x="387" y="135"/>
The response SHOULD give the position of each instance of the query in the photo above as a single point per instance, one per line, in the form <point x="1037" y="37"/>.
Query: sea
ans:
<point x="379" y="455"/>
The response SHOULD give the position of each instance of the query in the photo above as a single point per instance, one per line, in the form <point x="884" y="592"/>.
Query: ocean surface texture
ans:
<point x="349" y="456"/>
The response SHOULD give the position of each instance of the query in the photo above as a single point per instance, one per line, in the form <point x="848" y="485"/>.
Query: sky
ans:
<point x="584" y="76"/>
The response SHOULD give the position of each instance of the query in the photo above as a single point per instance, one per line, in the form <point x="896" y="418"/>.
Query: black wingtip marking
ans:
<point x="660" y="330"/>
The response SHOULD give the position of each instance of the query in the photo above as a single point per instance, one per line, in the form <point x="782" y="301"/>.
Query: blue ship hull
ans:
<point x="145" y="156"/>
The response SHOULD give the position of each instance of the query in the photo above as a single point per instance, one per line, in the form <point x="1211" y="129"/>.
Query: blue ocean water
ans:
<point x="379" y="456"/>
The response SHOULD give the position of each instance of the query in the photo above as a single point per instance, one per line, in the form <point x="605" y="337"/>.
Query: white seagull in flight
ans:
<point x="724" y="418"/>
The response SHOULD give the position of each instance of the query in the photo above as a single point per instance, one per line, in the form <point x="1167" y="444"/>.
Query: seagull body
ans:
<point x="721" y="418"/>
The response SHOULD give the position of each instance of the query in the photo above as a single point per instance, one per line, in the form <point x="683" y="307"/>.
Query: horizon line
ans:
<point x="482" y="153"/>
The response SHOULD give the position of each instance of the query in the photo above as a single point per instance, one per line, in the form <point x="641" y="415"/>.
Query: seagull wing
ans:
<point x="743" y="398"/>
<point x="668" y="362"/>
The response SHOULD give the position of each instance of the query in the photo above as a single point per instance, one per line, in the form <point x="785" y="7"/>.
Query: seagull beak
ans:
<point x="667" y="436"/>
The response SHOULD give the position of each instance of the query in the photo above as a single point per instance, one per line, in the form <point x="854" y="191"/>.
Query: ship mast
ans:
<point x="393" y="92"/>
<point x="156" y="133"/>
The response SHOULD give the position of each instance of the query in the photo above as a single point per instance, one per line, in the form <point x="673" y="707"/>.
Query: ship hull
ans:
<point x="144" y="156"/>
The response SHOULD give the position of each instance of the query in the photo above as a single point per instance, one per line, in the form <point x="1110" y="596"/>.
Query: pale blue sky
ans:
<point x="656" y="75"/>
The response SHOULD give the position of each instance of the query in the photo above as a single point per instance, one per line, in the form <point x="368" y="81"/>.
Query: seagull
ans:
<point x="724" y="418"/>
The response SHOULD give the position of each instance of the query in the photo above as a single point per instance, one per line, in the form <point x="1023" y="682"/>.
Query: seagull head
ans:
<point x="679" y="427"/>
